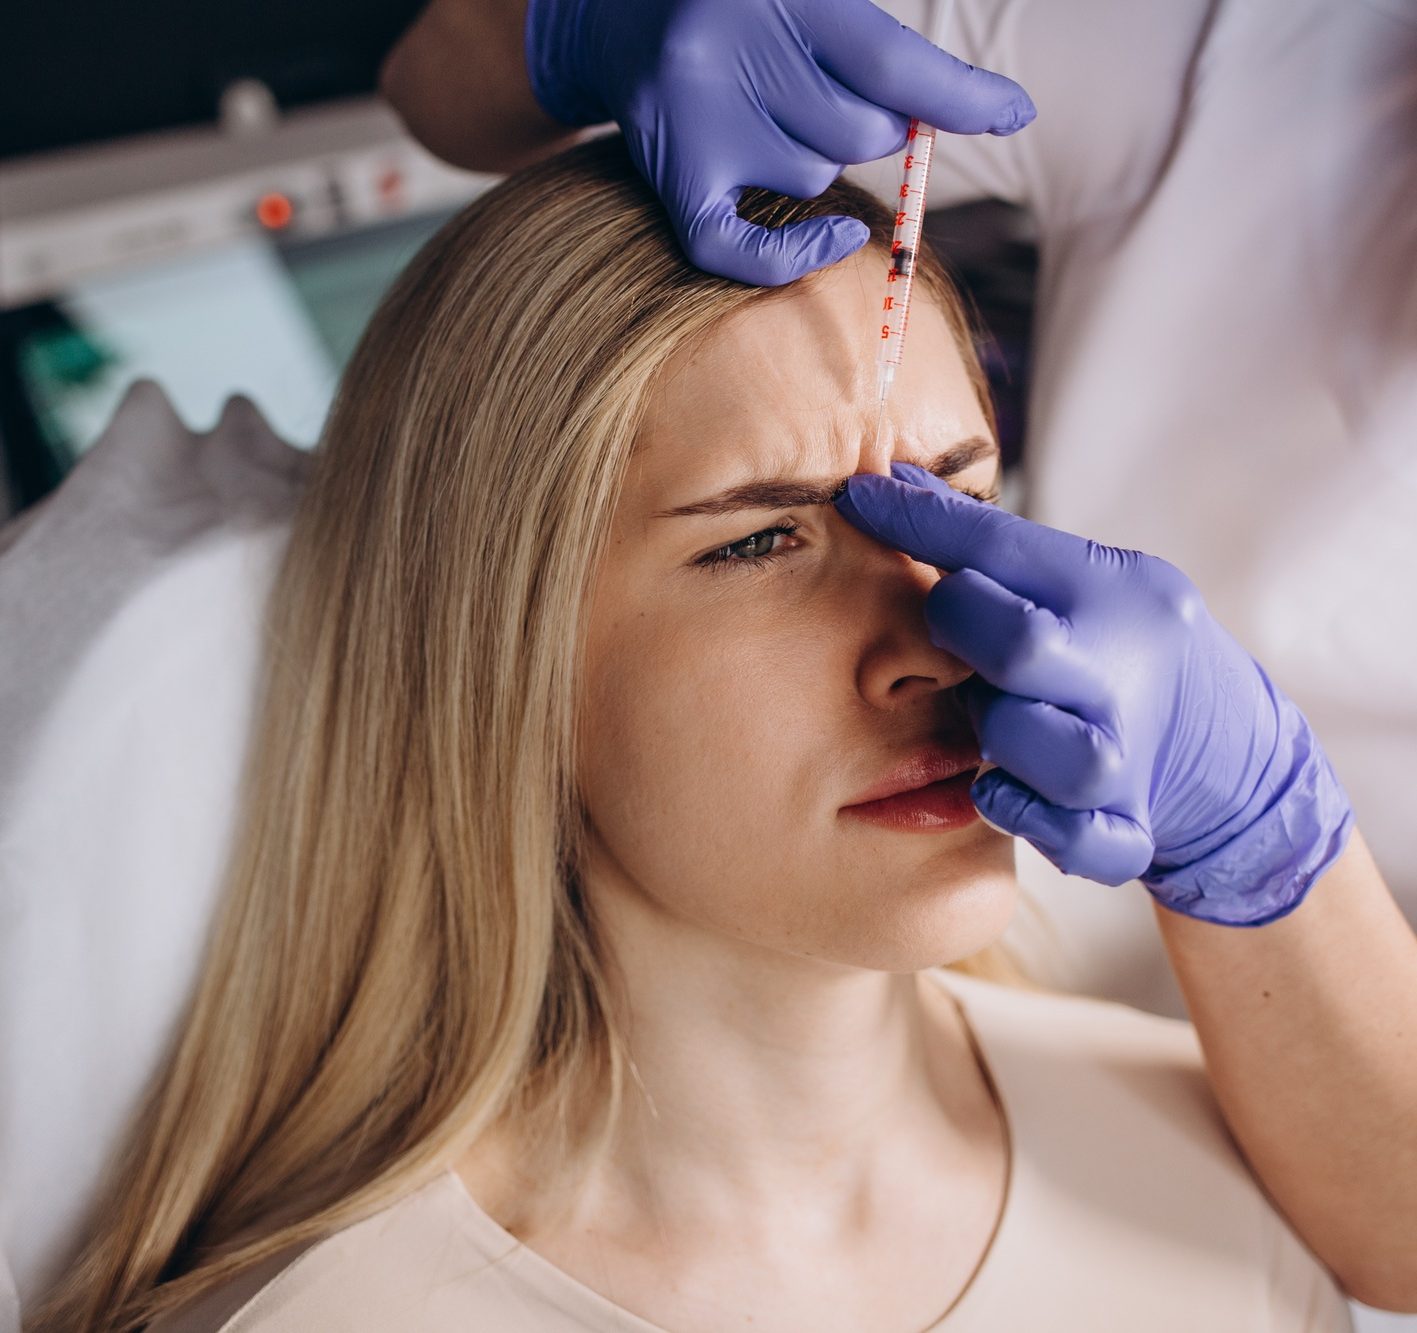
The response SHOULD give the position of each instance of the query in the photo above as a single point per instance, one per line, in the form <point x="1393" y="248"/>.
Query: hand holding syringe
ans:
<point x="783" y="95"/>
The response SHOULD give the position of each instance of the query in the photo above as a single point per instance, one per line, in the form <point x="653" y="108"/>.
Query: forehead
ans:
<point x="789" y="382"/>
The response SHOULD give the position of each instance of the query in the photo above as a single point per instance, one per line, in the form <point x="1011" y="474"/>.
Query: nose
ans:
<point x="898" y="667"/>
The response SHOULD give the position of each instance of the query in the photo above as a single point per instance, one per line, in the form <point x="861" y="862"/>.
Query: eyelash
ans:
<point x="718" y="560"/>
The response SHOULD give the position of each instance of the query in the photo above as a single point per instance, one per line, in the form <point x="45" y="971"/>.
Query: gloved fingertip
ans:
<point x="865" y="493"/>
<point x="910" y="473"/>
<point x="986" y="784"/>
<point x="996" y="803"/>
<point x="1015" y="116"/>
<point x="850" y="233"/>
<point x="815" y="244"/>
<point x="827" y="241"/>
<point x="847" y="505"/>
<point x="913" y="475"/>
<point x="998" y="828"/>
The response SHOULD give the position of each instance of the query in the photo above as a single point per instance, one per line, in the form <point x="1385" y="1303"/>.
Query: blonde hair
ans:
<point x="403" y="957"/>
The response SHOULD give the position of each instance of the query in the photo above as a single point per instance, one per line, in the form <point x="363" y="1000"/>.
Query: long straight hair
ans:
<point x="403" y="957"/>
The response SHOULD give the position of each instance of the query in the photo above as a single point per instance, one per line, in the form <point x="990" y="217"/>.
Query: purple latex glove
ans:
<point x="718" y="95"/>
<point x="1134" y="737"/>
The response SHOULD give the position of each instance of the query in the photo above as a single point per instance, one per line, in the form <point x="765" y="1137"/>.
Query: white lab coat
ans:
<point x="1225" y="193"/>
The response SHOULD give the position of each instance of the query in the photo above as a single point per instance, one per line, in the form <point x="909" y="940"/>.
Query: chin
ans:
<point x="956" y="916"/>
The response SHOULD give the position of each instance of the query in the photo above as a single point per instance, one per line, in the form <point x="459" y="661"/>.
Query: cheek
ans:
<point x="699" y="742"/>
<point x="680" y="715"/>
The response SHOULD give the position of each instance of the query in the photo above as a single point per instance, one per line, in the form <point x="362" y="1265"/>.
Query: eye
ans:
<point x="752" y="551"/>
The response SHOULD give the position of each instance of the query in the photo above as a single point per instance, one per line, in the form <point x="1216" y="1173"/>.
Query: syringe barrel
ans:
<point x="905" y="244"/>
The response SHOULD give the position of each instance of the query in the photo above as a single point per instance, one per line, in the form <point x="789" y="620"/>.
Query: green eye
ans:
<point x="754" y="550"/>
<point x="759" y="544"/>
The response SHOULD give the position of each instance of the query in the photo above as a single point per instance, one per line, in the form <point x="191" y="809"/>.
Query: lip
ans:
<point x="930" y="763"/>
<point x="928" y="790"/>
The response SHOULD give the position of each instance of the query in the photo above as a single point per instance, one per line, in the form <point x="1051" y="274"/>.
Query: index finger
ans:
<point x="930" y="521"/>
<point x="895" y="67"/>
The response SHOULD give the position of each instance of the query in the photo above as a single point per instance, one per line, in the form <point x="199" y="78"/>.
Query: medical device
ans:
<point x="205" y="259"/>
<point x="905" y="250"/>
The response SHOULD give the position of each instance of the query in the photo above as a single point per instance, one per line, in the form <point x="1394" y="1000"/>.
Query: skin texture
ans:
<point x="733" y="710"/>
<point x="458" y="79"/>
<point x="822" y="1150"/>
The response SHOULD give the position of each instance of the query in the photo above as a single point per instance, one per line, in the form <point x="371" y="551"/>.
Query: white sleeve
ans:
<point x="1111" y="80"/>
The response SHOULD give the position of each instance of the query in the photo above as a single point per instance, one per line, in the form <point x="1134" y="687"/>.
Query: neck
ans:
<point x="768" y="1086"/>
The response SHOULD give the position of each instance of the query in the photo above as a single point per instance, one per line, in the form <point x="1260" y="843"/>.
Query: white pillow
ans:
<point x="130" y="609"/>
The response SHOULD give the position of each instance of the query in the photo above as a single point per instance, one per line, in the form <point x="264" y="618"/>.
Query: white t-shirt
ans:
<point x="1225" y="368"/>
<point x="1127" y="1207"/>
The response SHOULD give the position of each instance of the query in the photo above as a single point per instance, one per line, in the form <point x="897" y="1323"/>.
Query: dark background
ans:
<point x="77" y="71"/>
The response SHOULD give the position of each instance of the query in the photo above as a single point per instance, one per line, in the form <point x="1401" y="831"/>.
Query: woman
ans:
<point x="572" y="907"/>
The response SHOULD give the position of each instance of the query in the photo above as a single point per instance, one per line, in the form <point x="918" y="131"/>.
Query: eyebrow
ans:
<point x="789" y="492"/>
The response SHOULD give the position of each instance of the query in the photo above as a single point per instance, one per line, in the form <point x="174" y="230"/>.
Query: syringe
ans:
<point x="905" y="249"/>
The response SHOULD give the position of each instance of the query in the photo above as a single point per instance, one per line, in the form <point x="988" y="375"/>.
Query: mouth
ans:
<point x="927" y="791"/>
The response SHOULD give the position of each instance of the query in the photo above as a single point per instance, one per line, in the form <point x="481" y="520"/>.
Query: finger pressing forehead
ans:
<point x="931" y="522"/>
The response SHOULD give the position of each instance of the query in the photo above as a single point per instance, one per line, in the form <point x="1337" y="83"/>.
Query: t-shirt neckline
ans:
<point x="581" y="1301"/>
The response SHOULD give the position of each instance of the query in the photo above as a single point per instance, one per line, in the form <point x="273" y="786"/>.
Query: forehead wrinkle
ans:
<point x="782" y="490"/>
<point x="815" y="449"/>
<point x="699" y="427"/>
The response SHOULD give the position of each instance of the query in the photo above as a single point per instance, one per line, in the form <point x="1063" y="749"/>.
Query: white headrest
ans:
<point x="130" y="609"/>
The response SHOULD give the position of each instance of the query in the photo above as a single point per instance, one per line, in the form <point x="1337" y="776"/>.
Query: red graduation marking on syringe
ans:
<point x="905" y="247"/>
<point x="900" y="269"/>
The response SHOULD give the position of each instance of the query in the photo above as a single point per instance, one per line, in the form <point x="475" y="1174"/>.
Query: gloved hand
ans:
<point x="1133" y="736"/>
<point x="718" y="95"/>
